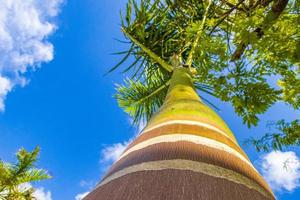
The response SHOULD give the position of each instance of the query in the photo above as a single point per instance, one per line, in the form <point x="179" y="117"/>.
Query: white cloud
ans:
<point x="39" y="193"/>
<point x="88" y="184"/>
<point x="24" y="29"/>
<point x="5" y="87"/>
<point x="281" y="170"/>
<point x="85" y="184"/>
<point x="81" y="196"/>
<point x="111" y="153"/>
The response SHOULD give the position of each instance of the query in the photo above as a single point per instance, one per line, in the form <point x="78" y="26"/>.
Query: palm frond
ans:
<point x="33" y="175"/>
<point x="128" y="53"/>
<point x="141" y="99"/>
<point x="14" y="176"/>
<point x="26" y="161"/>
<point x="149" y="53"/>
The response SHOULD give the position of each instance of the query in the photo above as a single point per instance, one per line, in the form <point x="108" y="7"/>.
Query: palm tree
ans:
<point x="187" y="151"/>
<point x="15" y="179"/>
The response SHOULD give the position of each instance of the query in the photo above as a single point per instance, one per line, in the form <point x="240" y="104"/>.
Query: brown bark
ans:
<point x="173" y="185"/>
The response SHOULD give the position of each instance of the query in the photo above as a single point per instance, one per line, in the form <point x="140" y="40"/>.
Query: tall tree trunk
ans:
<point x="185" y="152"/>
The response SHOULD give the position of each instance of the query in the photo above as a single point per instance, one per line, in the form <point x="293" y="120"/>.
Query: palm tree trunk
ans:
<point x="185" y="152"/>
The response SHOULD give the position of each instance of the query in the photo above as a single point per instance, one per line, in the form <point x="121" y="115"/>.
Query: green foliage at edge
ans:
<point x="236" y="47"/>
<point x="13" y="177"/>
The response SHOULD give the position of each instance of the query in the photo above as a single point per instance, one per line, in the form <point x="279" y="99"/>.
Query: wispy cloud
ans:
<point x="41" y="194"/>
<point x="111" y="153"/>
<point x="5" y="87"/>
<point x="86" y="184"/>
<point x="81" y="196"/>
<point x="24" y="29"/>
<point x="281" y="170"/>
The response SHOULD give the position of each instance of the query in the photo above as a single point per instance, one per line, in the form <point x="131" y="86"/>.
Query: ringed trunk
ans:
<point x="185" y="152"/>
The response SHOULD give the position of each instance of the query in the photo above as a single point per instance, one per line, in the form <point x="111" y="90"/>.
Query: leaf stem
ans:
<point x="198" y="36"/>
<point x="150" y="53"/>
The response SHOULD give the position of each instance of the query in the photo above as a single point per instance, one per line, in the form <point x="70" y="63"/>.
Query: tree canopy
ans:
<point x="245" y="52"/>
<point x="14" y="177"/>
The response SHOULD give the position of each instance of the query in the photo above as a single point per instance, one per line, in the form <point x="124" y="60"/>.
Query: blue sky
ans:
<point x="67" y="107"/>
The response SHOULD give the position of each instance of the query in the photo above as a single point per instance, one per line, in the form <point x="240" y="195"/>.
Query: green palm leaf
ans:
<point x="141" y="99"/>
<point x="13" y="176"/>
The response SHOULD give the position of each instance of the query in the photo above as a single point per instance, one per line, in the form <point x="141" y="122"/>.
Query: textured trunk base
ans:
<point x="173" y="185"/>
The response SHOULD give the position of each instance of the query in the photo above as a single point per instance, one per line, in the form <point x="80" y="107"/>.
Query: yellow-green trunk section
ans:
<point x="183" y="103"/>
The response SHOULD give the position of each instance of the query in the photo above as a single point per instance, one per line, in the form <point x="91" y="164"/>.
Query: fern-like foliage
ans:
<point x="141" y="99"/>
<point x="285" y="134"/>
<point x="14" y="176"/>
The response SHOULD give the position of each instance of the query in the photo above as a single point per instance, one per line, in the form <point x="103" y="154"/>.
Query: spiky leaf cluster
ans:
<point x="14" y="176"/>
<point x="141" y="99"/>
